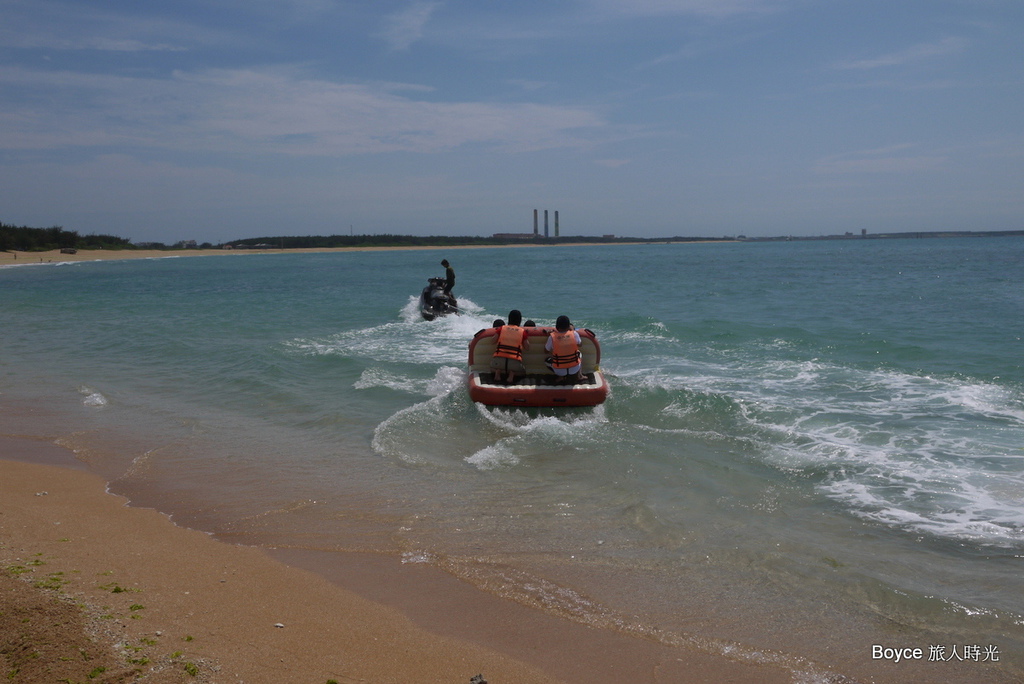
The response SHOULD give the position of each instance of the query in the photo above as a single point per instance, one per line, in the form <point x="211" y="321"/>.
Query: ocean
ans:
<point x="812" y="455"/>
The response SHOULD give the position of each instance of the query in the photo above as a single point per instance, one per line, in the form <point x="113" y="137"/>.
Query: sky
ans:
<point x="214" y="120"/>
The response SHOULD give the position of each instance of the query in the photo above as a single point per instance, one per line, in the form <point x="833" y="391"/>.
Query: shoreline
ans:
<point x="372" y="618"/>
<point x="176" y="596"/>
<point x="54" y="256"/>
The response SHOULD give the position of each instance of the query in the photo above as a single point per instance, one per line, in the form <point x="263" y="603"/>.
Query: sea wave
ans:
<point x="92" y="398"/>
<point x="934" y="455"/>
<point x="410" y="339"/>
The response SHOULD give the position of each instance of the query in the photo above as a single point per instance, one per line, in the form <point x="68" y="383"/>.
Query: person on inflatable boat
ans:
<point x="512" y="342"/>
<point x="564" y="346"/>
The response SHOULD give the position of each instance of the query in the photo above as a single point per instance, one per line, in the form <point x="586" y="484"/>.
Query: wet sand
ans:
<point x="166" y="602"/>
<point x="177" y="596"/>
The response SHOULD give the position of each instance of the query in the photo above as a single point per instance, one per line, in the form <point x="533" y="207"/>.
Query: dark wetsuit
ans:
<point x="449" y="280"/>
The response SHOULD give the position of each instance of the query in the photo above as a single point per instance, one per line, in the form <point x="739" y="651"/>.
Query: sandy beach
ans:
<point x="93" y="587"/>
<point x="14" y="258"/>
<point x="176" y="605"/>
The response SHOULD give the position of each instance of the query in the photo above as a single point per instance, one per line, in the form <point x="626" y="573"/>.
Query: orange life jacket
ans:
<point x="510" y="342"/>
<point x="565" y="353"/>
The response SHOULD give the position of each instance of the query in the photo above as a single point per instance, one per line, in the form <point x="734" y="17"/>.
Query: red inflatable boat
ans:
<point x="539" y="387"/>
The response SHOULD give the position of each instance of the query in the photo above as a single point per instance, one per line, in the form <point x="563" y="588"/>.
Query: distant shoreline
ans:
<point x="56" y="256"/>
<point x="913" y="235"/>
<point x="18" y="258"/>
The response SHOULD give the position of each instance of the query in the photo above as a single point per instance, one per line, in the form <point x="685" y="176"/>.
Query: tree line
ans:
<point x="388" y="240"/>
<point x="23" y="238"/>
<point x="28" y="239"/>
<point x="379" y="240"/>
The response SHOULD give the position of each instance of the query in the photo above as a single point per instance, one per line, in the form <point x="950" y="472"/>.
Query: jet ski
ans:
<point x="434" y="302"/>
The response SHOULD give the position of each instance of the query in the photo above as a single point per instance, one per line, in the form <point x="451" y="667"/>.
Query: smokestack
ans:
<point x="545" y="223"/>
<point x="556" y="223"/>
<point x="535" y="231"/>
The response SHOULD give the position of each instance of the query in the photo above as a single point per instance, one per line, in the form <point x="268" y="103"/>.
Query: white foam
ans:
<point x="388" y="435"/>
<point x="565" y="425"/>
<point x="494" y="456"/>
<point x="418" y="557"/>
<point x="378" y="377"/>
<point x="445" y="380"/>
<point x="938" y="455"/>
<point x="934" y="455"/>
<point x="442" y="340"/>
<point x="92" y="398"/>
<point x="422" y="432"/>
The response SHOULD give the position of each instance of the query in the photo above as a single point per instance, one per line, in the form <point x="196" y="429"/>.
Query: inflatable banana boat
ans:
<point x="540" y="386"/>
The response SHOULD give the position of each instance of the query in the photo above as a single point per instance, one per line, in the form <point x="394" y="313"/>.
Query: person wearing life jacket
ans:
<point x="564" y="346"/>
<point x="508" y="356"/>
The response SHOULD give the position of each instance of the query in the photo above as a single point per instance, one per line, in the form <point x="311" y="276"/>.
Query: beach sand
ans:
<point x="55" y="256"/>
<point x="14" y="258"/>
<point x="87" y="582"/>
<point x="171" y="597"/>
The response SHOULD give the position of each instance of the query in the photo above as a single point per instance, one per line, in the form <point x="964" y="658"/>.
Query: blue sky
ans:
<point x="220" y="119"/>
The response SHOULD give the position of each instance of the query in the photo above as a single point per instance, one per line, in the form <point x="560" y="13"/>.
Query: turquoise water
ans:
<point x="809" y="447"/>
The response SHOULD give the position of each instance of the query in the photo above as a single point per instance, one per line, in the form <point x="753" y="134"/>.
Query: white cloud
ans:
<point x="889" y="160"/>
<point x="404" y="28"/>
<point x="707" y="8"/>
<point x="529" y="85"/>
<point x="915" y="53"/>
<point x="61" y="26"/>
<point x="267" y="112"/>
